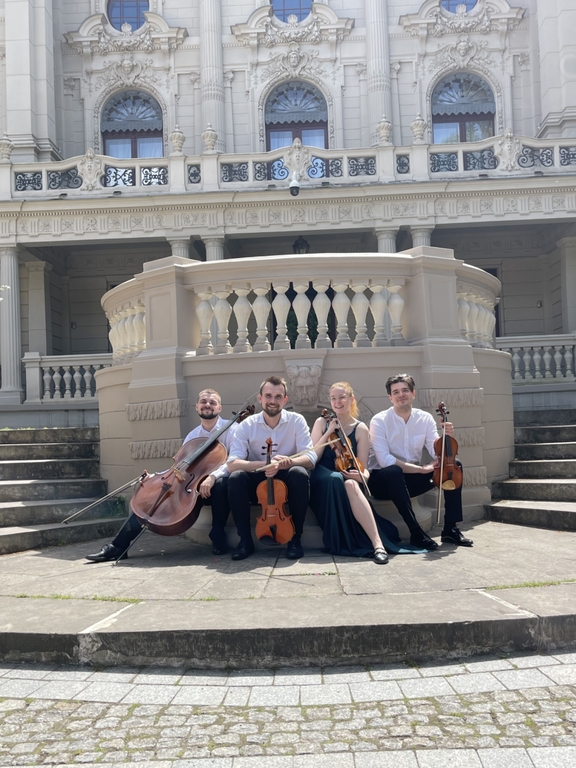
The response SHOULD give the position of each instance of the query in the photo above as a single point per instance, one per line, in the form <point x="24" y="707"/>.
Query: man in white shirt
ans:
<point x="290" y="435"/>
<point x="398" y="436"/>
<point x="213" y="487"/>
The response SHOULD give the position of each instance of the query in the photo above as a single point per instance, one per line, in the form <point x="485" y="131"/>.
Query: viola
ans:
<point x="168" y="503"/>
<point x="448" y="475"/>
<point x="275" y="524"/>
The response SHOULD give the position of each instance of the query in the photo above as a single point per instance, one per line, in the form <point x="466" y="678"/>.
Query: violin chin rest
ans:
<point x="449" y="485"/>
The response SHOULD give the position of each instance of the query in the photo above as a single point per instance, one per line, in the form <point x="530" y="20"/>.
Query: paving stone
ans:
<point x="556" y="757"/>
<point x="484" y="664"/>
<point x="386" y="760"/>
<point x="434" y="669"/>
<point x="432" y="686"/>
<point x="202" y="695"/>
<point x="111" y="692"/>
<point x="324" y="761"/>
<point x="206" y="677"/>
<point x="251" y="677"/>
<point x="335" y="675"/>
<point x="289" y="676"/>
<point x="523" y="678"/>
<point x="440" y="758"/>
<point x="60" y="689"/>
<point x="151" y="694"/>
<point x="393" y="672"/>
<point x="564" y="674"/>
<point x="325" y="694"/>
<point x="527" y="661"/>
<point x="376" y="691"/>
<point x="274" y="696"/>
<point x="476" y="682"/>
<point x="237" y="696"/>
<point x="18" y="688"/>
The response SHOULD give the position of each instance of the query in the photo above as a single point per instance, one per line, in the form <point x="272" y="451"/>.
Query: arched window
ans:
<point x="131" y="12"/>
<point x="296" y="110"/>
<point x="285" y="8"/>
<point x="463" y="109"/>
<point x="131" y="126"/>
<point x="452" y="5"/>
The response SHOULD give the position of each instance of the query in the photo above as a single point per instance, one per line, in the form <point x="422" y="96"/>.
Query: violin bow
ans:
<point x="300" y="453"/>
<point x="443" y="412"/>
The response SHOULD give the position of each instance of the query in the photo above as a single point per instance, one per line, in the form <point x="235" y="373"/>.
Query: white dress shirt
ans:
<point x="393" y="438"/>
<point x="291" y="435"/>
<point x="225" y="439"/>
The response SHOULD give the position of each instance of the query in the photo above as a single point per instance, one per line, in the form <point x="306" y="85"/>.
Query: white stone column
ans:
<point x="567" y="250"/>
<point x="228" y="77"/>
<point x="10" y="336"/>
<point x="386" y="240"/>
<point x="212" y="72"/>
<point x="557" y="45"/>
<point x="39" y="309"/>
<point x="378" y="64"/>
<point x="214" y="248"/>
<point x="421" y="236"/>
<point x="180" y="247"/>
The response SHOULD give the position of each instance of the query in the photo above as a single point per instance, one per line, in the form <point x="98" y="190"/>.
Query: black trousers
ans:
<point x="218" y="500"/>
<point x="391" y="484"/>
<point x="242" y="493"/>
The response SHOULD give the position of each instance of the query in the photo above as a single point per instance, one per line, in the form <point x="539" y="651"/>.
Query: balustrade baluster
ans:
<point x="280" y="308"/>
<point x="527" y="364"/>
<point x="463" y="312"/>
<point x="140" y="326"/>
<point x="77" y="393"/>
<point x="222" y="312"/>
<point x="301" y="306"/>
<point x="57" y="381"/>
<point x="261" y="308"/>
<point x="537" y="357"/>
<point x="321" y="306"/>
<point x="341" y="306"/>
<point x="360" y="306"/>
<point x="131" y="332"/>
<point x="547" y="362"/>
<point x="88" y="377"/>
<point x="123" y="336"/>
<point x="205" y="313"/>
<point x="516" y="362"/>
<point x="242" y="311"/>
<point x="558" y="362"/>
<point x="47" y="379"/>
<point x="378" y="307"/>
<point x="67" y="383"/>
<point x="569" y="358"/>
<point x="472" y="320"/>
<point x="395" y="309"/>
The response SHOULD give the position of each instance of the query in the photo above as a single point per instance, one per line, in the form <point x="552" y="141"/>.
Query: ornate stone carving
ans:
<point x="177" y="140"/>
<point x="455" y="398"/>
<point x="469" y="436"/>
<point x="507" y="150"/>
<point x="158" y="409"/>
<point x="486" y="16"/>
<point x="294" y="63"/>
<point x="474" y="476"/>
<point x="322" y="24"/>
<point x="127" y="73"/>
<point x="90" y="168"/>
<point x="307" y="31"/>
<point x="304" y="381"/>
<point x="418" y="126"/>
<point x="297" y="159"/>
<point x="6" y="148"/>
<point x="154" y="449"/>
<point x="209" y="137"/>
<point x="384" y="130"/>
<point x="97" y="36"/>
<point x="461" y="55"/>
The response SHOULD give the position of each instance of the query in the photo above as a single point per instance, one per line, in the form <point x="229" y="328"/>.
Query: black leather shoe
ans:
<point x="243" y="551"/>
<point x="108" y="552"/>
<point x="380" y="556"/>
<point x="219" y="549"/>
<point x="294" y="550"/>
<point x="455" y="536"/>
<point x="423" y="541"/>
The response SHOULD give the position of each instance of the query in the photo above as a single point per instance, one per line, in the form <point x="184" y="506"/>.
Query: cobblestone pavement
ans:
<point x="483" y="712"/>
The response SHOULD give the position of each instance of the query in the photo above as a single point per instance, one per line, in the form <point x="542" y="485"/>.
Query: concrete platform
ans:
<point x="173" y="603"/>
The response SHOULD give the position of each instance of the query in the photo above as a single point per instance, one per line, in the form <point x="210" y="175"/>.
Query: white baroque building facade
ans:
<point x="139" y="132"/>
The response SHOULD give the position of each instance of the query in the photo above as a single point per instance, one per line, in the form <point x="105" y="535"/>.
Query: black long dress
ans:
<point x="342" y="533"/>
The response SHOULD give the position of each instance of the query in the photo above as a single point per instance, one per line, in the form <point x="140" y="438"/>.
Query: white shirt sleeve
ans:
<point x="239" y="445"/>
<point x="379" y="442"/>
<point x="226" y="440"/>
<point x="303" y="439"/>
<point x="431" y="435"/>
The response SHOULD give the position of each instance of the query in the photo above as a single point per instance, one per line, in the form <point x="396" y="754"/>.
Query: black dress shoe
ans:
<point x="108" y="552"/>
<point x="423" y="541"/>
<point x="455" y="536"/>
<point x="243" y="551"/>
<point x="219" y="549"/>
<point x="380" y="556"/>
<point x="294" y="550"/>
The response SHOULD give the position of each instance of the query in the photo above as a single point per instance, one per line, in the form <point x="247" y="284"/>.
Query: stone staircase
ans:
<point x="541" y="490"/>
<point x="45" y="476"/>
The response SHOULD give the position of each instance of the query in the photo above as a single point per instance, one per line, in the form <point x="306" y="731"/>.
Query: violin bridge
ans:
<point x="179" y="475"/>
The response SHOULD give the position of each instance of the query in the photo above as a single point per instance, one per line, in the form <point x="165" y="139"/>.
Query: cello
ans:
<point x="168" y="503"/>
<point x="448" y="474"/>
<point x="275" y="524"/>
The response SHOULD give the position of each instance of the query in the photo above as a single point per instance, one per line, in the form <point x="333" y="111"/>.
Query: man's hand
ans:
<point x="449" y="427"/>
<point x="428" y="467"/>
<point x="206" y="486"/>
<point x="281" y="462"/>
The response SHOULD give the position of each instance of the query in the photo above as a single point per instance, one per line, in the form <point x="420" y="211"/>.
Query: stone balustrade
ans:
<point x="62" y="378"/>
<point x="299" y="302"/>
<point x="540" y="359"/>
<point x="94" y="175"/>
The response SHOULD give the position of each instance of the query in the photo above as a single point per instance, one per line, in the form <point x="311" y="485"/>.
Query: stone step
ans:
<point x="552" y="515"/>
<point x="37" y="490"/>
<point x="28" y="451"/>
<point x="48" y="469"/>
<point x="543" y="469"/>
<point x="527" y="451"/>
<point x="50" y="435"/>
<point x="535" y="490"/>
<point x="54" y="511"/>
<point x="564" y="433"/>
<point x="545" y="417"/>
<point x="21" y="538"/>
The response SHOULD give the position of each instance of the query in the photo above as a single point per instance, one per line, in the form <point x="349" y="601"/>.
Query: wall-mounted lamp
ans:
<point x="300" y="245"/>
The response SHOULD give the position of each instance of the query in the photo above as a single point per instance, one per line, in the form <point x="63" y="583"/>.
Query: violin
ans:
<point x="168" y="503"/>
<point x="275" y="524"/>
<point x="345" y="460"/>
<point x="448" y="474"/>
